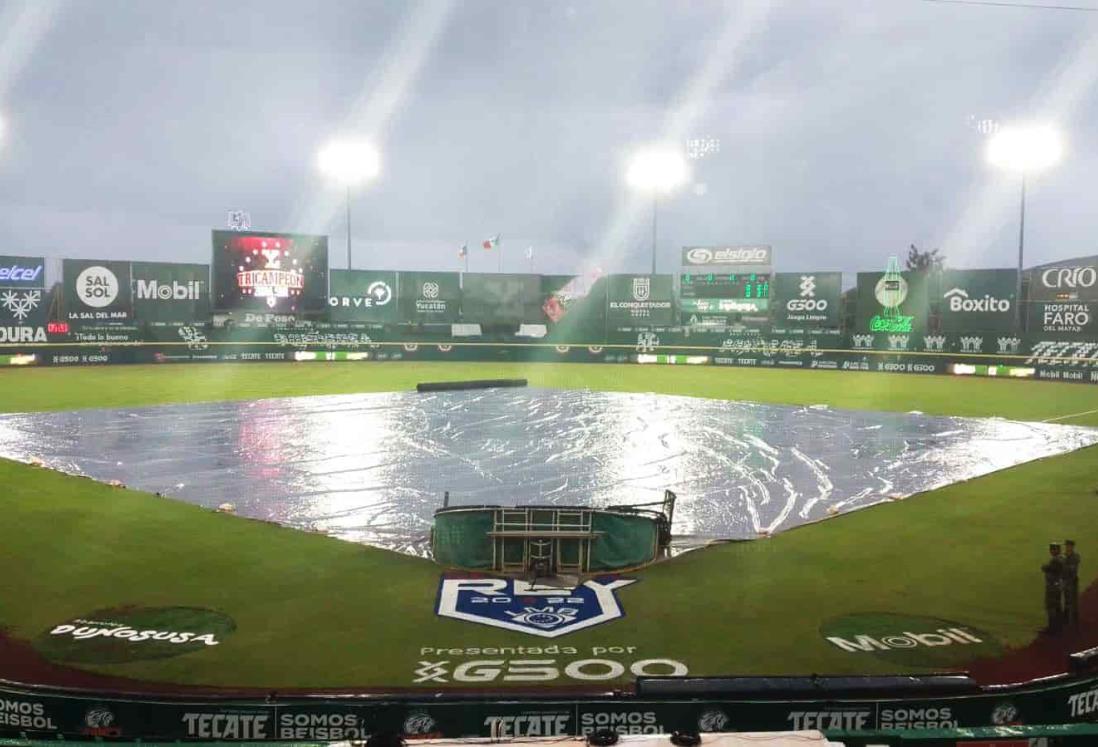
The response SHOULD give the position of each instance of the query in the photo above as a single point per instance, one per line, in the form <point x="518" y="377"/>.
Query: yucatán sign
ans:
<point x="807" y="299"/>
<point x="429" y="296"/>
<point x="97" y="290"/>
<point x="639" y="300"/>
<point x="169" y="292"/>
<point x="362" y="296"/>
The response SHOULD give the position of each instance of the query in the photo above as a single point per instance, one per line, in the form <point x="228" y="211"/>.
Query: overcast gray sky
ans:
<point x="846" y="127"/>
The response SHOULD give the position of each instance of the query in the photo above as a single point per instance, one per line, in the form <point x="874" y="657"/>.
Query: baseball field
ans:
<point x="945" y="580"/>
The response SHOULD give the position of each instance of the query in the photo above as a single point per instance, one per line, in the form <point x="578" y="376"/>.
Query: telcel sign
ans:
<point x="22" y="272"/>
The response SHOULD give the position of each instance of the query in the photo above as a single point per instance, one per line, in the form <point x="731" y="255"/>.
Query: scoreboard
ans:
<point x="725" y="292"/>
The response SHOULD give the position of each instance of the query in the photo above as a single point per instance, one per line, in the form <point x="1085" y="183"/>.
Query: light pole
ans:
<point x="1024" y="151"/>
<point x="657" y="170"/>
<point x="350" y="163"/>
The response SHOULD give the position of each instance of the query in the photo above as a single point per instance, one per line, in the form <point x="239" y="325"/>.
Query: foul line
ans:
<point x="1069" y="417"/>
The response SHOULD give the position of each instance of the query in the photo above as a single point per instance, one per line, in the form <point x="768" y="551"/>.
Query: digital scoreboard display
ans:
<point x="277" y="272"/>
<point x="724" y="292"/>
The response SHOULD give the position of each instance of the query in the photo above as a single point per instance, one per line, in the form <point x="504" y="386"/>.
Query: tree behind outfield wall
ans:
<point x="924" y="261"/>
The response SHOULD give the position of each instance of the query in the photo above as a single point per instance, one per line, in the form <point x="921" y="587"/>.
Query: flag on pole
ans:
<point x="463" y="252"/>
<point x="530" y="252"/>
<point x="491" y="242"/>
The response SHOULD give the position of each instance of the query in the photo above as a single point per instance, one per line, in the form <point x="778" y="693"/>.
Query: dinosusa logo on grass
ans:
<point x="908" y="640"/>
<point x="121" y="634"/>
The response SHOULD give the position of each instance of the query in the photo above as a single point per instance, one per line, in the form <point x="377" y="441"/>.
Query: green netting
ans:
<point x="460" y="538"/>
<point x="626" y="541"/>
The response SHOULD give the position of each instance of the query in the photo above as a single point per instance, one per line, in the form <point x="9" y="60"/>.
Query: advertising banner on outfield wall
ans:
<point x="892" y="303"/>
<point x="639" y="301"/>
<point x="726" y="258"/>
<point x="22" y="272"/>
<point x="169" y="292"/>
<point x="578" y="300"/>
<point x="977" y="300"/>
<point x="804" y="300"/>
<point x="501" y="298"/>
<point x="97" y="290"/>
<point x="426" y="297"/>
<point x="22" y="299"/>
<point x="362" y="296"/>
<point x="1071" y="319"/>
<point x="1072" y="280"/>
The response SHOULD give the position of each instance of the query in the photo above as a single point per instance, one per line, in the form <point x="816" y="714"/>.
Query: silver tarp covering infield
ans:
<point x="373" y="467"/>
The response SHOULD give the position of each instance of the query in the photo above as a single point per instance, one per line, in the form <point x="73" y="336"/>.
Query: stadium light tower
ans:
<point x="1024" y="151"/>
<point x="350" y="163"/>
<point x="658" y="170"/>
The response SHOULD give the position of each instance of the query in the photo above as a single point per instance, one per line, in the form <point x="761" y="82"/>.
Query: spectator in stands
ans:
<point x="1054" y="576"/>
<point x="1070" y="584"/>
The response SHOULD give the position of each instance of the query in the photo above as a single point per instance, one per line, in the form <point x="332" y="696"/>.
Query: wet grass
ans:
<point x="316" y="612"/>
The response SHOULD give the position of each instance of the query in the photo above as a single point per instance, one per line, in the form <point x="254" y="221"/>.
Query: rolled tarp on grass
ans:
<point x="454" y="386"/>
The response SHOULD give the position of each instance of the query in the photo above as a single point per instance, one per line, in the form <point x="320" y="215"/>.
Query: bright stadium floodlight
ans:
<point x="1024" y="150"/>
<point x="658" y="170"/>
<point x="350" y="163"/>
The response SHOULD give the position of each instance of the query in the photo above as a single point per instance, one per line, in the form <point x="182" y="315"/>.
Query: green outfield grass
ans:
<point x="25" y="390"/>
<point x="315" y="612"/>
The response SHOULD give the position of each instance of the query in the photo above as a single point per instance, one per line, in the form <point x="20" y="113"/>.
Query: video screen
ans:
<point x="276" y="272"/>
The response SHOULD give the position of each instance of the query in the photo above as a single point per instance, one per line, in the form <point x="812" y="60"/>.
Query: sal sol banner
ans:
<point x="362" y="296"/>
<point x="97" y="290"/>
<point x="807" y="300"/>
<point x="168" y="292"/>
<point x="427" y="297"/>
<point x="639" y="300"/>
<point x="501" y="298"/>
<point x="977" y="300"/>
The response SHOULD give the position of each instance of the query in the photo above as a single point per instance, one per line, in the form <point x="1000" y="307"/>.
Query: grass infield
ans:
<point x="314" y="612"/>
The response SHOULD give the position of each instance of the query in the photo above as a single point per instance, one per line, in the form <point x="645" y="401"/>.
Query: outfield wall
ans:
<point x="40" y="714"/>
<point x="1036" y="357"/>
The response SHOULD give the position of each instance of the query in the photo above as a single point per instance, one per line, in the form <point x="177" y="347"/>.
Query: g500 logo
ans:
<point x="544" y="670"/>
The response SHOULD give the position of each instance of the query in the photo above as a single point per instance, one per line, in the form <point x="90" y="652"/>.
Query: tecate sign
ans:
<point x="960" y="301"/>
<point x="726" y="255"/>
